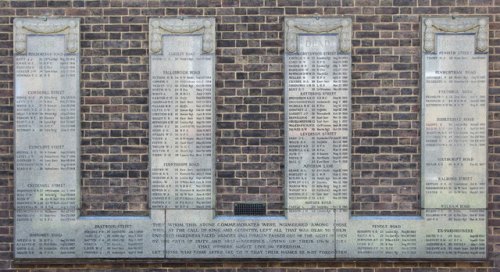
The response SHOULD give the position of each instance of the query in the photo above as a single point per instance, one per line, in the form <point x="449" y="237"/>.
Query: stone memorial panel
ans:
<point x="437" y="234"/>
<point x="122" y="237"/>
<point x="182" y="113"/>
<point x="90" y="237"/>
<point x="47" y="114"/>
<point x="47" y="138"/>
<point x="454" y="113"/>
<point x="449" y="233"/>
<point x="317" y="110"/>
<point x="47" y="130"/>
<point x="377" y="236"/>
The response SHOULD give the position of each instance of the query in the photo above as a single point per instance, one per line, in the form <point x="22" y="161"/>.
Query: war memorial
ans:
<point x="250" y="135"/>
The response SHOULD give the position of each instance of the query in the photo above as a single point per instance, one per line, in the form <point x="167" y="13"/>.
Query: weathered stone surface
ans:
<point x="182" y="145"/>
<point x="47" y="124"/>
<point x="317" y="113"/>
<point x="454" y="115"/>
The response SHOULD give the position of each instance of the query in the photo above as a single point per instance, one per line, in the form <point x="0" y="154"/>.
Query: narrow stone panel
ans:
<point x="47" y="114"/>
<point x="47" y="138"/>
<point x="454" y="113"/>
<point x="182" y="113"/>
<point x="317" y="108"/>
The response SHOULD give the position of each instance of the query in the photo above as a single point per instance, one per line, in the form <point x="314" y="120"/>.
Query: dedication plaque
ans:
<point x="317" y="110"/>
<point x="47" y="115"/>
<point x="454" y="116"/>
<point x="182" y="142"/>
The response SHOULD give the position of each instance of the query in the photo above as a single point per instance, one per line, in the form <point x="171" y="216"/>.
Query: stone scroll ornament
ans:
<point x="68" y="27"/>
<point x="182" y="26"/>
<point x="477" y="26"/>
<point x="318" y="25"/>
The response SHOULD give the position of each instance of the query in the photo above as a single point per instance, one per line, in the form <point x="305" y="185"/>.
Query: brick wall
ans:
<point x="249" y="70"/>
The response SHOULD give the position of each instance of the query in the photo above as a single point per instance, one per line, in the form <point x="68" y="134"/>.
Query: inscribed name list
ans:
<point x="454" y="124"/>
<point x="47" y="127"/>
<point x="181" y="124"/>
<point x="318" y="111"/>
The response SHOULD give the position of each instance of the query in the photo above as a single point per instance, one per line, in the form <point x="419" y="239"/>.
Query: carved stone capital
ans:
<point x="69" y="27"/>
<point x="181" y="26"/>
<point x="476" y="25"/>
<point x="318" y="25"/>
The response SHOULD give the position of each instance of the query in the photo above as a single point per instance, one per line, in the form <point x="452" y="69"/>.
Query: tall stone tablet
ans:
<point x="454" y="112"/>
<point x="317" y="108"/>
<point x="318" y="223"/>
<point x="47" y="116"/>
<point x="182" y="112"/>
<point x="47" y="126"/>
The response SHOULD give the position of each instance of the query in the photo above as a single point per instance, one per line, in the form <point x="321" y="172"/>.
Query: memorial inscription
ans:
<point x="317" y="108"/>
<point x="318" y="223"/>
<point x="47" y="114"/>
<point x="47" y="139"/>
<point x="47" y="107"/>
<point x="182" y="114"/>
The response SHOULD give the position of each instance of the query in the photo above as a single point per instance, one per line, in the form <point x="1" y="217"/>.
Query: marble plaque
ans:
<point x="454" y="98"/>
<point x="317" y="110"/>
<point x="377" y="236"/>
<point x="454" y="233"/>
<point x="454" y="114"/>
<point x="47" y="134"/>
<point x="182" y="113"/>
<point x="47" y="114"/>
<point x="122" y="237"/>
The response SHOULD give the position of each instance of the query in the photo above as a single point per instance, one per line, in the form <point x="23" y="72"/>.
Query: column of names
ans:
<point x="318" y="86"/>
<point x="454" y="124"/>
<point x="181" y="124"/>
